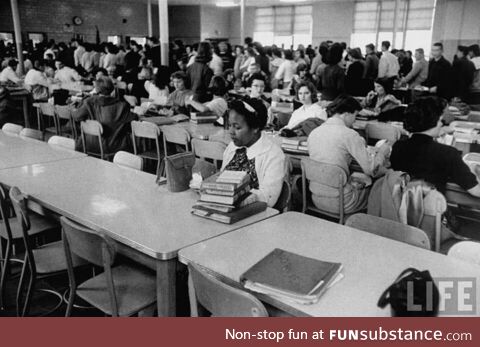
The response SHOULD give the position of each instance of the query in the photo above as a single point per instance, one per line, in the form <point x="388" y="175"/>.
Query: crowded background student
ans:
<point x="419" y="72"/>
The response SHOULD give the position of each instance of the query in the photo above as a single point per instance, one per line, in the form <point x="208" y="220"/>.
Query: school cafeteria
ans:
<point x="258" y="158"/>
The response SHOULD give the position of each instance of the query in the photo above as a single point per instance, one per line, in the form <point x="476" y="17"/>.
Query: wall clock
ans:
<point x="77" y="20"/>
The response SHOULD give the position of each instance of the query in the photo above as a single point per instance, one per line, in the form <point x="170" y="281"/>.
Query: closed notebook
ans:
<point x="289" y="273"/>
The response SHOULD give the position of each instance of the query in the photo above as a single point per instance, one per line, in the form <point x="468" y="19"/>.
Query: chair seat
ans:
<point x="38" y="223"/>
<point x="50" y="258"/>
<point x="135" y="288"/>
<point x="334" y="215"/>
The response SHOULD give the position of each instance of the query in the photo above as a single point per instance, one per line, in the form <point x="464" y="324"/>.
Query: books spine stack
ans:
<point x="295" y="146"/>
<point x="202" y="117"/>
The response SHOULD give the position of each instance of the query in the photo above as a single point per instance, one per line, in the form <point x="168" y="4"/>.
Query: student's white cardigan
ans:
<point x="269" y="165"/>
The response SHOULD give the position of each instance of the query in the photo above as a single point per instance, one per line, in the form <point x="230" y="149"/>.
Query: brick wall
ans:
<point x="50" y="17"/>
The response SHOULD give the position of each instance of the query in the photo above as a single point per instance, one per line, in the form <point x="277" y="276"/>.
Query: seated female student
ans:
<point x="253" y="151"/>
<point x="307" y="95"/>
<point x="336" y="143"/>
<point x="217" y="105"/>
<point x="112" y="113"/>
<point x="177" y="98"/>
<point x="158" y="89"/>
<point x="381" y="99"/>
<point x="257" y="87"/>
<point x="422" y="157"/>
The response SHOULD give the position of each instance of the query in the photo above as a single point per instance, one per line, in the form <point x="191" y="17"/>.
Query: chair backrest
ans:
<point x="176" y="134"/>
<point x="93" y="247"/>
<point x="128" y="160"/>
<point x="13" y="129"/>
<point x="5" y="232"/>
<point x="326" y="174"/>
<point x="380" y="131"/>
<point x="32" y="134"/>
<point x="208" y="149"/>
<point x="434" y="205"/>
<point x="468" y="251"/>
<point x="389" y="229"/>
<point x="220" y="299"/>
<point x="63" y="111"/>
<point x="91" y="127"/>
<point x="132" y="100"/>
<point x="61" y="141"/>
<point x="145" y="129"/>
<point x="283" y="201"/>
<point x="47" y="109"/>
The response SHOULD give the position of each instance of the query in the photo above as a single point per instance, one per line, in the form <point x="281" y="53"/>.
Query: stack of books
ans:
<point x="226" y="198"/>
<point x="202" y="117"/>
<point x="292" y="277"/>
<point x="295" y="145"/>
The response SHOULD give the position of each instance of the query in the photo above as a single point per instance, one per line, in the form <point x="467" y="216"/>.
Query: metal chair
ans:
<point x="213" y="150"/>
<point x="468" y="251"/>
<point x="46" y="109"/>
<point x="45" y="261"/>
<point x="382" y="131"/>
<point x="283" y="202"/>
<point x="176" y="135"/>
<point x="12" y="129"/>
<point x="31" y="134"/>
<point x="128" y="160"/>
<point x="63" y="142"/>
<point x="327" y="175"/>
<point x="69" y="129"/>
<point x="147" y="130"/>
<point x="207" y="293"/>
<point x="11" y="232"/>
<point x="122" y="290"/>
<point x="94" y="128"/>
<point x="389" y="229"/>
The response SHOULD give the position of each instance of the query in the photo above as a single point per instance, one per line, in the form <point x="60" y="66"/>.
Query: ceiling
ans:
<point x="248" y="2"/>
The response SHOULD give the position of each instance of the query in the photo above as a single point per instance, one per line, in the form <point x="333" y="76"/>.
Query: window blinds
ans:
<point x="284" y="20"/>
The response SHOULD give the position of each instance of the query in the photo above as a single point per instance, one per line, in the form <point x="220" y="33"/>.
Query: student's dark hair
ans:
<point x="311" y="88"/>
<point x="371" y="46"/>
<point x="218" y="86"/>
<point x="386" y="84"/>
<point x="355" y="53"/>
<point x="204" y="52"/>
<point x="250" y="51"/>
<point x="104" y="85"/>
<point x="323" y="50"/>
<point x="344" y="103"/>
<point x="255" y="76"/>
<point x="258" y="46"/>
<point x="423" y="114"/>
<point x="302" y="67"/>
<point x="276" y="52"/>
<point x="248" y="40"/>
<point x="302" y="53"/>
<point x="162" y="78"/>
<point x="463" y="49"/>
<point x="438" y="44"/>
<point x="288" y="54"/>
<point x="475" y="49"/>
<point x="386" y="44"/>
<point x="254" y="120"/>
<point x="334" y="55"/>
<point x="241" y="48"/>
<point x="154" y="39"/>
<point x="102" y="70"/>
<point x="180" y="75"/>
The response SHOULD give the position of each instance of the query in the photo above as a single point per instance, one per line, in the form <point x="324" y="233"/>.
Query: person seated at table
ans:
<point x="7" y="109"/>
<point x="422" y="157"/>
<point x="302" y="75"/>
<point x="336" y="143"/>
<point x="138" y="85"/>
<point x="65" y="74"/>
<point x="158" y="88"/>
<point x="307" y="95"/>
<point x="37" y="82"/>
<point x="253" y="69"/>
<point x="251" y="150"/>
<point x="257" y="87"/>
<point x="8" y="74"/>
<point x="380" y="99"/>
<point x="218" y="105"/>
<point x="114" y="115"/>
<point x="229" y="76"/>
<point x="177" y="98"/>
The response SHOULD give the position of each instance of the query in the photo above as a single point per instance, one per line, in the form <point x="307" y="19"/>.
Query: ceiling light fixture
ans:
<point x="226" y="4"/>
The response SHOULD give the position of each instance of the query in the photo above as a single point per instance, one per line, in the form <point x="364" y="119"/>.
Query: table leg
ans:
<point x="166" y="287"/>
<point x="26" y="114"/>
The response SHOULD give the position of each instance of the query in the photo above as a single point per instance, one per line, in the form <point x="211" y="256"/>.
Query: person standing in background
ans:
<point x="371" y="63"/>
<point x="419" y="72"/>
<point x="439" y="73"/>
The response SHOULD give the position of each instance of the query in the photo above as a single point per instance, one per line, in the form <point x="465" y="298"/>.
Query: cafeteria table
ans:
<point x="149" y="223"/>
<point x="370" y="262"/>
<point x="17" y="151"/>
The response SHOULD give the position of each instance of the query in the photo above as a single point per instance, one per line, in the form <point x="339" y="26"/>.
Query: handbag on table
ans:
<point x="179" y="171"/>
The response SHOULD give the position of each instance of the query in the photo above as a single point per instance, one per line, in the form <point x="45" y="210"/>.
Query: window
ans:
<point x="374" y="23"/>
<point x="7" y="37"/>
<point x="114" y="39"/>
<point x="140" y="40"/>
<point x="283" y="26"/>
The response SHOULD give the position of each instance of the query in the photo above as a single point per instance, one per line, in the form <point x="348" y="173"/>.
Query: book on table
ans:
<point x="291" y="276"/>
<point x="233" y="216"/>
